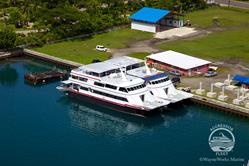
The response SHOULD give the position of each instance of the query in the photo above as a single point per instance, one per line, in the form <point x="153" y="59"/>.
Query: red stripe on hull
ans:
<point x="112" y="105"/>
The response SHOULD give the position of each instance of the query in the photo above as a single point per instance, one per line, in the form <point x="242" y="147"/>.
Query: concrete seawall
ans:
<point x="10" y="53"/>
<point x="221" y="105"/>
<point x="49" y="58"/>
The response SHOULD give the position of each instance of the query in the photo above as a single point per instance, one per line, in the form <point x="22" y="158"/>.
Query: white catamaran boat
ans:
<point x="109" y="85"/>
<point x="157" y="82"/>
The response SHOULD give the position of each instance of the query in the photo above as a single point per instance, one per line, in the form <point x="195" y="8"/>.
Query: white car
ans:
<point x="101" y="48"/>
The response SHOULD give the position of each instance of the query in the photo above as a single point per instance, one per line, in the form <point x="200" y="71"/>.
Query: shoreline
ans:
<point x="221" y="106"/>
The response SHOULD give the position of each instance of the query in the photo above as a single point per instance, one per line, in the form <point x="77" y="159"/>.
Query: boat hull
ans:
<point x="113" y="106"/>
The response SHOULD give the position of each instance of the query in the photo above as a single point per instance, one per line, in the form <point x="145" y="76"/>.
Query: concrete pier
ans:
<point x="221" y="105"/>
<point x="10" y="53"/>
<point x="49" y="58"/>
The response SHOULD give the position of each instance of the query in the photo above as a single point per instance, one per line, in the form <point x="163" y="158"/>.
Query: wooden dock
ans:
<point x="221" y="105"/>
<point x="44" y="77"/>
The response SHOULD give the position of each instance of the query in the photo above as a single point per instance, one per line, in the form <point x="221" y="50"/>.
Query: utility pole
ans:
<point x="229" y="3"/>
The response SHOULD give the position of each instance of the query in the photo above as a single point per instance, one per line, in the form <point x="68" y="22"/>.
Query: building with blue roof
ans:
<point x="155" y="20"/>
<point x="244" y="80"/>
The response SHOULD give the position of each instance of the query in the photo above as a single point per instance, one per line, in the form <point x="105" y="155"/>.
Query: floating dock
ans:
<point x="220" y="105"/>
<point x="44" y="77"/>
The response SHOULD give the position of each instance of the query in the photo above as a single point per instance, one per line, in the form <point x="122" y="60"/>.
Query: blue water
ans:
<point x="40" y="126"/>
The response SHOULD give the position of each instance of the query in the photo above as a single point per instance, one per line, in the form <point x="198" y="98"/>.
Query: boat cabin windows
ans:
<point x="92" y="73"/>
<point x="123" y="89"/>
<point x="99" y="84"/>
<point x="159" y="81"/>
<point x="110" y="86"/>
<point x="136" y="87"/>
<point x="75" y="77"/>
<point x="105" y="85"/>
<point x="83" y="88"/>
<point x="110" y="95"/>
<point x="106" y="73"/>
<point x="83" y="79"/>
<point x="134" y="66"/>
<point x="79" y="78"/>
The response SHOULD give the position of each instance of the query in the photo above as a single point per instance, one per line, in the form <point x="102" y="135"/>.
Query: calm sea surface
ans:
<point x="41" y="127"/>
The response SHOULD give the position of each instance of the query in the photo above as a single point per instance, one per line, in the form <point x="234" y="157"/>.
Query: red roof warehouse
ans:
<point x="174" y="61"/>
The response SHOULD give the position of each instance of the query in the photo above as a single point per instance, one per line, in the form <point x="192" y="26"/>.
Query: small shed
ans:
<point x="175" y="61"/>
<point x="155" y="20"/>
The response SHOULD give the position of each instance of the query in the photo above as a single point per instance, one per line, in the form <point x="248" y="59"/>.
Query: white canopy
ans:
<point x="178" y="59"/>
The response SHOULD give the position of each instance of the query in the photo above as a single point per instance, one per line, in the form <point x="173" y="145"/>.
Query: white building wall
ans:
<point x="143" y="26"/>
<point x="210" y="1"/>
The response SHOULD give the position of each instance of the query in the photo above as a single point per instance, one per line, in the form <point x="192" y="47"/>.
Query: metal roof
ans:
<point x="99" y="67"/>
<point x="154" y="77"/>
<point x="114" y="63"/>
<point x="242" y="79"/>
<point x="123" y="61"/>
<point x="178" y="59"/>
<point x="151" y="15"/>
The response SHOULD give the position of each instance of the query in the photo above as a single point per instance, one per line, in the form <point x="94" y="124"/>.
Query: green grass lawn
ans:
<point x="227" y="17"/>
<point x="230" y="44"/>
<point x="139" y="55"/>
<point x="227" y="45"/>
<point x="83" y="50"/>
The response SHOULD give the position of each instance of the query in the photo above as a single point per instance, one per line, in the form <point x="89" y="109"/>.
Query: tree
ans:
<point x="7" y="37"/>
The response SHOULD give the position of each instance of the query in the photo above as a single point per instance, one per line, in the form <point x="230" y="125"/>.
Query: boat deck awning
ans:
<point x="154" y="77"/>
<point x="241" y="79"/>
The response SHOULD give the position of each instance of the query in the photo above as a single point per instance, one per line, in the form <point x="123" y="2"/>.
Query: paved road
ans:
<point x="233" y="3"/>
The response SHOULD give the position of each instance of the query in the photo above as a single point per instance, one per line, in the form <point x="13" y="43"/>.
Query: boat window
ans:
<point x="75" y="77"/>
<point x="94" y="74"/>
<point x="110" y="86"/>
<point x="110" y="95"/>
<point x="99" y="84"/>
<point x="159" y="81"/>
<point x="83" y="79"/>
<point x="136" y="87"/>
<point x="83" y="88"/>
<point x="123" y="89"/>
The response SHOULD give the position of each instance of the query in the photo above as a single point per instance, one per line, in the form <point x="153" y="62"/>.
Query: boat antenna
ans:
<point x="148" y="72"/>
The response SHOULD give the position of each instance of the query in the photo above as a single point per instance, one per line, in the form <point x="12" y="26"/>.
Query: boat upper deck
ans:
<point x="133" y="71"/>
<point x="108" y="73"/>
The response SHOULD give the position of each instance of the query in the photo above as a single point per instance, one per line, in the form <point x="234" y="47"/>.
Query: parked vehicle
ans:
<point x="210" y="74"/>
<point x="175" y="73"/>
<point x="101" y="48"/>
<point x="176" y="80"/>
